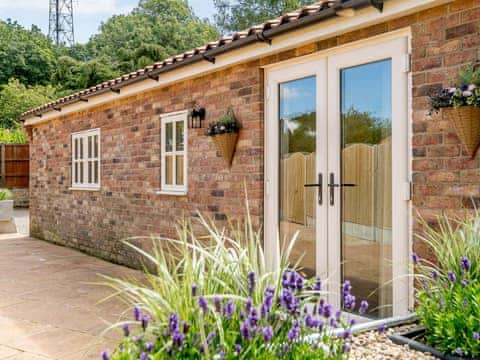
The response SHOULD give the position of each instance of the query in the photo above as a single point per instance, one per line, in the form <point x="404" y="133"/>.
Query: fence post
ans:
<point x="2" y="165"/>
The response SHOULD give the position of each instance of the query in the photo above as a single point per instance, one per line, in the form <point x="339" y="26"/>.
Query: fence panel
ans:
<point x="14" y="165"/>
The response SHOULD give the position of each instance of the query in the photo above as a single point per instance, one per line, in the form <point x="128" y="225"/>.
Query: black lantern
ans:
<point x="196" y="118"/>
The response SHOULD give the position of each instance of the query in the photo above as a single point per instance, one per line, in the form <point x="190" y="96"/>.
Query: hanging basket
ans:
<point x="466" y="121"/>
<point x="225" y="144"/>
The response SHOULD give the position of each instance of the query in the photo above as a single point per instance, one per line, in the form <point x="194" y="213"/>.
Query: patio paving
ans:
<point x="49" y="308"/>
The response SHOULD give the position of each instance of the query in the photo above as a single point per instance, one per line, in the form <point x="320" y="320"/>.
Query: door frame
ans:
<point x="372" y="48"/>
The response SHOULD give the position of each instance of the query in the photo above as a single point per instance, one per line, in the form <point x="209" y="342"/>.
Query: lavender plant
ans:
<point x="449" y="289"/>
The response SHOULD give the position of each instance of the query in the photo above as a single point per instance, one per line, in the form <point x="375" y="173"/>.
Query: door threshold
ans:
<point x="369" y="324"/>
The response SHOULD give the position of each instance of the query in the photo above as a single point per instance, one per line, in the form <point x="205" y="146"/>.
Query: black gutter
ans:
<point x="211" y="54"/>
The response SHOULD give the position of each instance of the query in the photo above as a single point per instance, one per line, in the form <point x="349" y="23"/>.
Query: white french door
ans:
<point x="337" y="172"/>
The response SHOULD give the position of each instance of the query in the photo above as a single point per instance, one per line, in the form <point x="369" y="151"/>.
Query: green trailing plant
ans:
<point x="449" y="289"/>
<point x="227" y="124"/>
<point x="466" y="93"/>
<point x="215" y="297"/>
<point x="5" y="194"/>
<point x="13" y="136"/>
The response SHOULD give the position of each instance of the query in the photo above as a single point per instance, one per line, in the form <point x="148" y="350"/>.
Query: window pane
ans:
<point x="96" y="172"/>
<point x="89" y="172"/>
<point x="81" y="172"/>
<point x="179" y="136"/>
<point x="169" y="170"/>
<point x="76" y="149"/>
<point x="81" y="148"/>
<point x="169" y="137"/>
<point x="89" y="147"/>
<point x="96" y="146"/>
<point x="179" y="168"/>
<point x="75" y="173"/>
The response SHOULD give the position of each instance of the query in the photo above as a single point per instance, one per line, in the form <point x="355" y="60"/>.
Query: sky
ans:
<point x="88" y="14"/>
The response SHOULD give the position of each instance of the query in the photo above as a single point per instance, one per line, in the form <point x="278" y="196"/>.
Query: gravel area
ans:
<point x="373" y="345"/>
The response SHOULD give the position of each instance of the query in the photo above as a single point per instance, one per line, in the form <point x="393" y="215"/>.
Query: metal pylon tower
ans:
<point x="60" y="28"/>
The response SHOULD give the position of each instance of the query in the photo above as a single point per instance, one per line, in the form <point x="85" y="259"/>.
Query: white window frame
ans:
<point x="173" y="189"/>
<point x="84" y="161"/>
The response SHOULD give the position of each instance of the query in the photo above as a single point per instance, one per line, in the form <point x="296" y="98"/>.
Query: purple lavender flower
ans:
<point x="229" y="309"/>
<point x="137" y="313"/>
<point x="245" y="330"/>
<point x="363" y="307"/>
<point x="105" y="355"/>
<point x="202" y="348"/>
<point x="317" y="286"/>
<point x="452" y="276"/>
<point x="253" y="317"/>
<point x="238" y="349"/>
<point x="345" y="348"/>
<point x="464" y="282"/>
<point x="149" y="346"/>
<point x="466" y="264"/>
<point x="434" y="275"/>
<point x="382" y="328"/>
<point x="221" y="354"/>
<point x="346" y="288"/>
<point x="267" y="332"/>
<point x="289" y="301"/>
<point x="194" y="290"/>
<point x="218" y="303"/>
<point x="173" y="323"/>
<point x="145" y="320"/>
<point x="345" y="334"/>
<point x="203" y="303"/>
<point x="177" y="338"/>
<point x="211" y="336"/>
<point x="333" y="323"/>
<point x="299" y="282"/>
<point x="458" y="352"/>
<point x="349" y="302"/>
<point x="186" y="327"/>
<point x="415" y="259"/>
<point x="126" y="330"/>
<point x="327" y="310"/>
<point x="294" y="332"/>
<point x="353" y="322"/>
<point x="251" y="282"/>
<point x="311" y="322"/>
<point x="476" y="336"/>
<point x="249" y="305"/>
<point x="143" y="356"/>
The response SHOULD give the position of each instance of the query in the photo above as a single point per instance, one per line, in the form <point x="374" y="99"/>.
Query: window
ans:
<point x="174" y="153"/>
<point x="86" y="160"/>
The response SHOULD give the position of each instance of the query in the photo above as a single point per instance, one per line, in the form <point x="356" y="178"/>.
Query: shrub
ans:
<point x="215" y="297"/>
<point x="449" y="295"/>
<point x="5" y="194"/>
<point x="13" y="136"/>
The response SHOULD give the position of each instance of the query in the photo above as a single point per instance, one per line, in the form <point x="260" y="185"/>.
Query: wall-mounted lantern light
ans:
<point x="196" y="118"/>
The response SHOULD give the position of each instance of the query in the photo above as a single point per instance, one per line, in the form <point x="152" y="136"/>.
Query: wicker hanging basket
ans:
<point x="466" y="121"/>
<point x="225" y="144"/>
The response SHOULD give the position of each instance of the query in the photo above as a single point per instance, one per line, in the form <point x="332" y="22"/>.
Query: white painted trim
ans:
<point x="394" y="45"/>
<point x="171" y="193"/>
<point x="323" y="30"/>
<point x="84" y="135"/>
<point x="173" y="118"/>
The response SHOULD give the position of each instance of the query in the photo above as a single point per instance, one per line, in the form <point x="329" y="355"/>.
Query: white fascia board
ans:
<point x="323" y="30"/>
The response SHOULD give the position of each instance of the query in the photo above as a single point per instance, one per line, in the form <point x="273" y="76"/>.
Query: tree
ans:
<point x="27" y="55"/>
<point x="16" y="98"/>
<point x="153" y="31"/>
<point x="235" y="15"/>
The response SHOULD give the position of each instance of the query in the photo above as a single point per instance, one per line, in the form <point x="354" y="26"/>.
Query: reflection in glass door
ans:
<point x="297" y="142"/>
<point x="366" y="172"/>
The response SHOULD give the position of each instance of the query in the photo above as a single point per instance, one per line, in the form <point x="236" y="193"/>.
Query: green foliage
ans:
<point x="215" y="290"/>
<point x="16" y="98"/>
<point x="362" y="127"/>
<point x="226" y="124"/>
<point x="154" y="30"/>
<point x="233" y="15"/>
<point x="13" y="136"/>
<point x="449" y="299"/>
<point x="27" y="55"/>
<point x="470" y="75"/>
<point x="5" y="194"/>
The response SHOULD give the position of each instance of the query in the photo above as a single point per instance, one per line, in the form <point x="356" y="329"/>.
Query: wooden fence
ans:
<point x="369" y="203"/>
<point x="14" y="165"/>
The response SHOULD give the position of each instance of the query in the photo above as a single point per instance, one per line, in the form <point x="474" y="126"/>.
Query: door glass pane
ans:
<point x="366" y="165"/>
<point x="96" y="146"/>
<point x="169" y="137"/>
<point x="297" y="110"/>
<point x="179" y="135"/>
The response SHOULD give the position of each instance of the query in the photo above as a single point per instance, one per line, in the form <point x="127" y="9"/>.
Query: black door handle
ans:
<point x="320" y="188"/>
<point x="332" y="187"/>
<point x="342" y="185"/>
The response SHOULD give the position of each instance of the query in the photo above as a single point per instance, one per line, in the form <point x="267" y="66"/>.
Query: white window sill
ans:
<point x="78" y="188"/>
<point x="171" y="192"/>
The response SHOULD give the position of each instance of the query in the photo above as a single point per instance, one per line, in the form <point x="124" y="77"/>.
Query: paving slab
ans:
<point x="50" y="301"/>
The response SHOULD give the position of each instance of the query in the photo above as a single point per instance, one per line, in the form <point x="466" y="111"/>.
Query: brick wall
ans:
<point x="444" y="39"/>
